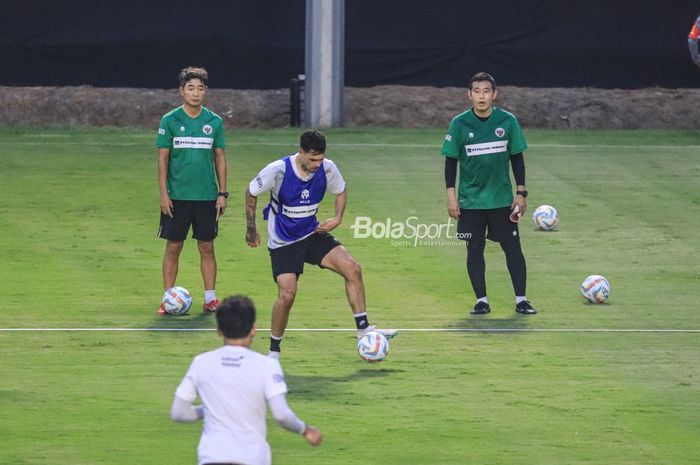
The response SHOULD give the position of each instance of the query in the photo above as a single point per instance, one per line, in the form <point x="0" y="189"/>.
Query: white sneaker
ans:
<point x="387" y="333"/>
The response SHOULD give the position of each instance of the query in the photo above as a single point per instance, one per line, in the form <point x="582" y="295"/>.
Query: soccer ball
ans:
<point x="373" y="347"/>
<point x="595" y="289"/>
<point x="177" y="300"/>
<point x="545" y="217"/>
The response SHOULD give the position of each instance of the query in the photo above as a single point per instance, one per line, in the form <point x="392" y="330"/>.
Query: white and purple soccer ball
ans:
<point x="545" y="217"/>
<point x="595" y="289"/>
<point x="373" y="347"/>
<point x="177" y="300"/>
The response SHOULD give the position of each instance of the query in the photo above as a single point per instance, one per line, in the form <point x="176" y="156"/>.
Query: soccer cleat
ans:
<point x="210" y="307"/>
<point x="524" y="308"/>
<point x="387" y="333"/>
<point x="481" y="308"/>
<point x="161" y="310"/>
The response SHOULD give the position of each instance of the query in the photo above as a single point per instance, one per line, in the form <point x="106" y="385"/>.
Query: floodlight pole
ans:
<point x="325" y="63"/>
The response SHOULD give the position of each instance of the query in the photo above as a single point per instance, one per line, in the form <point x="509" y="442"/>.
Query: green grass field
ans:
<point x="617" y="383"/>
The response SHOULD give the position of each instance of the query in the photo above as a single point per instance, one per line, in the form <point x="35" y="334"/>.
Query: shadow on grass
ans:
<point x="198" y="320"/>
<point x="318" y="386"/>
<point x="487" y="323"/>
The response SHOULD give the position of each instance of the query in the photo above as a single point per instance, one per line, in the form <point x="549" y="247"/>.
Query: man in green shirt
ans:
<point x="484" y="141"/>
<point x="192" y="179"/>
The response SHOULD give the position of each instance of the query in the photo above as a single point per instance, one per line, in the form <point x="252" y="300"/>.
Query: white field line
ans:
<point x="406" y="330"/>
<point x="358" y="145"/>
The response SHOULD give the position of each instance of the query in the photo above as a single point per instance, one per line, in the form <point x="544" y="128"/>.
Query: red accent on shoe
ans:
<point x="161" y="310"/>
<point x="211" y="306"/>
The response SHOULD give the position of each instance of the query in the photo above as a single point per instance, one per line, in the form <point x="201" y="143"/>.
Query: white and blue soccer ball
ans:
<point x="177" y="300"/>
<point x="373" y="347"/>
<point x="595" y="289"/>
<point x="545" y="217"/>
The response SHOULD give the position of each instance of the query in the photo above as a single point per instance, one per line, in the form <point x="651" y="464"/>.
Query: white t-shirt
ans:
<point x="270" y="179"/>
<point x="234" y="384"/>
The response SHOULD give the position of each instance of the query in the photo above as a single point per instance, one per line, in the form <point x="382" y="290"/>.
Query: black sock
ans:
<point x="361" y="320"/>
<point x="275" y="343"/>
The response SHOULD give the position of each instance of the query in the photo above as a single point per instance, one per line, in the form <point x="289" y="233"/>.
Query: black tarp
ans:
<point x="260" y="44"/>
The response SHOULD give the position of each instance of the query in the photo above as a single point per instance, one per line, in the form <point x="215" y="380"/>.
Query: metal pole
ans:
<point x="325" y="62"/>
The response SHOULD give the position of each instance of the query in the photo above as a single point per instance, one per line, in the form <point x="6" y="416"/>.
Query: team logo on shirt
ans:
<point x="448" y="138"/>
<point x="182" y="128"/>
<point x="500" y="132"/>
<point x="471" y="135"/>
<point x="207" y="129"/>
<point x="231" y="361"/>
<point x="305" y="194"/>
<point x="161" y="131"/>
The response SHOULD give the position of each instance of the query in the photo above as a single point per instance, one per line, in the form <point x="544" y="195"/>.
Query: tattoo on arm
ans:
<point x="250" y="204"/>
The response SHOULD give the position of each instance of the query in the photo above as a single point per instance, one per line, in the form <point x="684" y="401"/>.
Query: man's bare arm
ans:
<point x="252" y="237"/>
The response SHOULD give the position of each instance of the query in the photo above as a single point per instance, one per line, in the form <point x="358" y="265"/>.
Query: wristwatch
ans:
<point x="223" y="194"/>
<point x="523" y="193"/>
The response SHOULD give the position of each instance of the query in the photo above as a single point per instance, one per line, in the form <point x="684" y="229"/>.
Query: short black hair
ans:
<point x="192" y="72"/>
<point x="235" y="316"/>
<point x="313" y="141"/>
<point x="481" y="76"/>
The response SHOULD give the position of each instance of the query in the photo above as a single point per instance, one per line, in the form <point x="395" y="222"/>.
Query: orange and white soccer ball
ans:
<point x="177" y="300"/>
<point x="595" y="289"/>
<point x="373" y="347"/>
<point x="545" y="217"/>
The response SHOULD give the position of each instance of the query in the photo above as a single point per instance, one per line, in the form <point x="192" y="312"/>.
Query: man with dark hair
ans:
<point x="484" y="140"/>
<point x="693" y="38"/>
<point x="297" y="184"/>
<point x="192" y="178"/>
<point x="234" y="384"/>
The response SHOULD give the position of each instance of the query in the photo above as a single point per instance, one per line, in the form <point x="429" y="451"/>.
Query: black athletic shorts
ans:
<point x="200" y="214"/>
<point x="474" y="224"/>
<point x="291" y="258"/>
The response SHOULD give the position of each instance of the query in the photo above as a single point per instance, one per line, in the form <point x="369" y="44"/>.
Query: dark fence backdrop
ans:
<point x="259" y="44"/>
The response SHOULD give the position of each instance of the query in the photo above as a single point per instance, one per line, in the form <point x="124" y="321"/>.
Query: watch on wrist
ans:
<point x="523" y="193"/>
<point x="223" y="194"/>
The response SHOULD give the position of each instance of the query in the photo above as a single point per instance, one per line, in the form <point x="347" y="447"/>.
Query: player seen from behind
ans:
<point x="235" y="384"/>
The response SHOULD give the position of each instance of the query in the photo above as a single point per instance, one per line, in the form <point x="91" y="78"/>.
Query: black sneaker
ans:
<point x="524" y="308"/>
<point x="481" y="308"/>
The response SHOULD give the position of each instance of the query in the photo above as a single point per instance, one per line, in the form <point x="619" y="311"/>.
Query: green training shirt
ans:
<point x="483" y="149"/>
<point x="191" y="172"/>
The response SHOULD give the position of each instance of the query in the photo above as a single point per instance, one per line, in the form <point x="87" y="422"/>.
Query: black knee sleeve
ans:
<point x="516" y="264"/>
<point x="476" y="267"/>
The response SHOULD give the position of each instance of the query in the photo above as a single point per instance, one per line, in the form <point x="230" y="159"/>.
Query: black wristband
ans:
<point x="223" y="194"/>
<point x="523" y="193"/>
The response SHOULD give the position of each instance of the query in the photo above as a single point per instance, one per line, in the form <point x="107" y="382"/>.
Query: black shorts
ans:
<point x="200" y="214"/>
<point x="474" y="224"/>
<point x="291" y="258"/>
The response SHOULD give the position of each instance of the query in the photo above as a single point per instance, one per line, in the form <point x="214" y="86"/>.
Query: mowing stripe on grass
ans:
<point x="407" y="330"/>
<point x="358" y="145"/>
